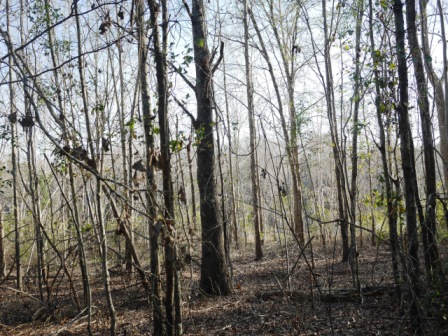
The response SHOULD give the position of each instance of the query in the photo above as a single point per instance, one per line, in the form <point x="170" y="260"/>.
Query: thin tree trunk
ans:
<point x="233" y="226"/>
<point x="339" y="171"/>
<point x="74" y="212"/>
<point x="2" y="246"/>
<point x="356" y="99"/>
<point x="173" y="322"/>
<point x="194" y="217"/>
<point x="408" y="165"/>
<point x="154" y="227"/>
<point x="289" y="54"/>
<point x="101" y="226"/>
<point x="431" y="253"/>
<point x="391" y="206"/>
<point x="252" y="136"/>
<point x="13" y="115"/>
<point x="437" y="84"/>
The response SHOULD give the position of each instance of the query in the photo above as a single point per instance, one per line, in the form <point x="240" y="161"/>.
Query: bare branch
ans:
<point x="187" y="8"/>
<point x="182" y="106"/>
<point x="221" y="56"/>
<point x="189" y="83"/>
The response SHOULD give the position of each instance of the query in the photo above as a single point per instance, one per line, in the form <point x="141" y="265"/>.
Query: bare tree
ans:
<point x="256" y="210"/>
<point x="429" y="224"/>
<point x="407" y="163"/>
<point x="214" y="272"/>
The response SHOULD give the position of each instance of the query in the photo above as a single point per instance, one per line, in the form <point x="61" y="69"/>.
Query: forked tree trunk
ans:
<point x="214" y="269"/>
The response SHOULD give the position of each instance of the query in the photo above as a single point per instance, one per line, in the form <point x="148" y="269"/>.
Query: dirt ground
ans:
<point x="276" y="296"/>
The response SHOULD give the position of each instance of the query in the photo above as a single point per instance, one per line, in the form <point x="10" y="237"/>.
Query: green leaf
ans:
<point x="200" y="43"/>
<point x="130" y="124"/>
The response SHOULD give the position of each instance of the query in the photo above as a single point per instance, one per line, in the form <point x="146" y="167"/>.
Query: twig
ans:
<point x="24" y="293"/>
<point x="193" y="120"/>
<point x="75" y="319"/>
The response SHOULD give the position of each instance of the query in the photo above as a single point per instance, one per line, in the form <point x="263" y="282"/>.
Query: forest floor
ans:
<point x="266" y="301"/>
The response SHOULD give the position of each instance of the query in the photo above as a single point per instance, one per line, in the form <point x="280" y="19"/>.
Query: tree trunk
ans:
<point x="437" y="84"/>
<point x="288" y="56"/>
<point x="74" y="211"/>
<point x="173" y="322"/>
<point x="14" y="171"/>
<point x="408" y="164"/>
<point x="356" y="99"/>
<point x="339" y="171"/>
<point x="214" y="272"/>
<point x="391" y="202"/>
<point x="289" y="136"/>
<point x="233" y="226"/>
<point x="154" y="226"/>
<point x="2" y="246"/>
<point x="429" y="227"/>
<point x="90" y="146"/>
<point x="252" y="136"/>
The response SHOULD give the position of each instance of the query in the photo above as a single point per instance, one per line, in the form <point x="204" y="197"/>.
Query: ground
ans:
<point x="266" y="301"/>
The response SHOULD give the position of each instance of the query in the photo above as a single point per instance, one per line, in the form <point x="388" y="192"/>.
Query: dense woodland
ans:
<point x="223" y="167"/>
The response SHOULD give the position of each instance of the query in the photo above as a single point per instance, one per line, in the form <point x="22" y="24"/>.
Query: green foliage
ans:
<point x="199" y="136"/>
<point x="99" y="108"/>
<point x="86" y="228"/>
<point x="200" y="43"/>
<point x="177" y="144"/>
<point x="131" y="125"/>
<point x="38" y="16"/>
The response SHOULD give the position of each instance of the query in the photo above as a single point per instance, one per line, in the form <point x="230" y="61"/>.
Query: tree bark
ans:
<point x="154" y="226"/>
<point x="14" y="170"/>
<point x="252" y="136"/>
<point x="173" y="322"/>
<point x="214" y="270"/>
<point x="356" y="99"/>
<point x="408" y="164"/>
<point x="391" y="203"/>
<point x="337" y="155"/>
<point x="429" y="226"/>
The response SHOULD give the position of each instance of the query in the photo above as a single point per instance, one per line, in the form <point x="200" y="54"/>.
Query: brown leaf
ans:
<point x="138" y="166"/>
<point x="181" y="195"/>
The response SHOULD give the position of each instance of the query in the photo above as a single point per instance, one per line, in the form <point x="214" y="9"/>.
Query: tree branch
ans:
<point x="221" y="56"/>
<point x="187" y="8"/>
<point x="182" y="106"/>
<point x="190" y="84"/>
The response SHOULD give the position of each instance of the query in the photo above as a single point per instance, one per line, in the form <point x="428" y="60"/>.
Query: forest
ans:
<point x="223" y="167"/>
